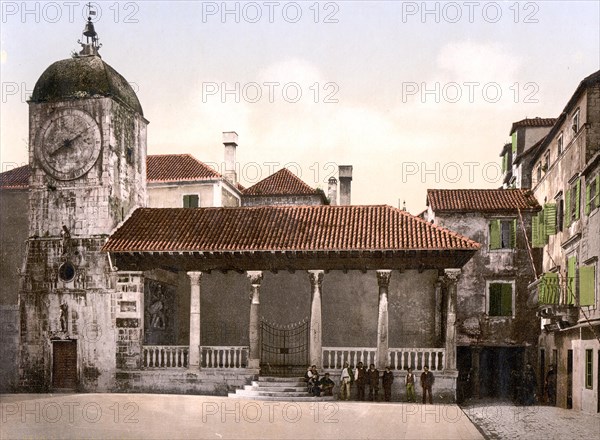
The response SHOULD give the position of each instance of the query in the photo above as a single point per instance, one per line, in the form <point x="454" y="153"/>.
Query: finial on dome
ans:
<point x="91" y="45"/>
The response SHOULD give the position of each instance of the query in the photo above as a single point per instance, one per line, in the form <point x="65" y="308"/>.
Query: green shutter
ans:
<point x="542" y="229"/>
<point x="513" y="234"/>
<point x="535" y="236"/>
<point x="548" y="289"/>
<point x="495" y="239"/>
<point x="550" y="218"/>
<point x="514" y="143"/>
<point x="505" y="162"/>
<point x="577" y="198"/>
<point x="567" y="208"/>
<point x="506" y="299"/>
<point x="588" y="201"/>
<point x="587" y="285"/>
<point x="571" y="282"/>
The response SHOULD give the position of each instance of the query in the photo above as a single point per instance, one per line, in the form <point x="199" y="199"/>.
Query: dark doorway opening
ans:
<point x="495" y="367"/>
<point x="64" y="365"/>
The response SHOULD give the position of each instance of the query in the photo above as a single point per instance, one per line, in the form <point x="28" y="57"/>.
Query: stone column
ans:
<point x="383" y="279"/>
<point x="475" y="353"/>
<point x="194" y="353"/>
<point x="451" y="276"/>
<point x="438" y="310"/>
<point x="316" y="333"/>
<point x="254" y="330"/>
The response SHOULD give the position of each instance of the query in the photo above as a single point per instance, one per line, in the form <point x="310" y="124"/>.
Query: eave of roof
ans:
<point x="481" y="200"/>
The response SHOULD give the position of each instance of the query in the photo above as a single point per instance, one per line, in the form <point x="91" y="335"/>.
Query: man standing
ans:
<point x="360" y="379"/>
<point x="427" y="380"/>
<point x="387" y="379"/>
<point x="410" y="386"/>
<point x="529" y="384"/>
<point x="551" y="385"/>
<point x="346" y="379"/>
<point x="373" y="381"/>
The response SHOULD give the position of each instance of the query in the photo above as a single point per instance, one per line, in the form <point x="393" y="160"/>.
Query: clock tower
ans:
<point x="87" y="155"/>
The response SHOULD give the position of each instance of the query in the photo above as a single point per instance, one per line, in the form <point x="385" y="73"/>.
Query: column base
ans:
<point x="254" y="363"/>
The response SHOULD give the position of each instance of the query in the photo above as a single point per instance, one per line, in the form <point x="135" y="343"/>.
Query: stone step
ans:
<point x="255" y="387"/>
<point x="282" y="399"/>
<point x="260" y="383"/>
<point x="280" y="379"/>
<point x="253" y="393"/>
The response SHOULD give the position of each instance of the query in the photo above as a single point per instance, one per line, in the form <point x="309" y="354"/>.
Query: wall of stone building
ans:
<point x="593" y="118"/>
<point x="95" y="203"/>
<point x="14" y="219"/>
<point x="89" y="315"/>
<point x="228" y="199"/>
<point x="349" y="307"/>
<point x="171" y="195"/>
<point x="589" y="250"/>
<point x="475" y="326"/>
<point x="282" y="200"/>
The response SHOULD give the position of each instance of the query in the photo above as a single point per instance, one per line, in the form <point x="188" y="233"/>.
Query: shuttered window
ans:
<point x="571" y="280"/>
<point x="591" y="195"/>
<point x="503" y="234"/>
<point x="550" y="218"/>
<point x="190" y="201"/>
<point x="514" y="143"/>
<point x="587" y="285"/>
<point x="500" y="299"/>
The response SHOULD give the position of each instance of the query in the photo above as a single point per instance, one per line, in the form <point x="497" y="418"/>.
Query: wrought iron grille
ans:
<point x="284" y="345"/>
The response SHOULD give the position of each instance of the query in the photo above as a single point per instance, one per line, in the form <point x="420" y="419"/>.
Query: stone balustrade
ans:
<point x="398" y="358"/>
<point x="334" y="357"/>
<point x="416" y="358"/>
<point x="165" y="356"/>
<point x="224" y="356"/>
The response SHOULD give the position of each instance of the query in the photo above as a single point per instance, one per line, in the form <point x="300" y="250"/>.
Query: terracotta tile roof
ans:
<point x="281" y="228"/>
<point x="283" y="182"/>
<point x="533" y="122"/>
<point x="15" y="178"/>
<point x="481" y="200"/>
<point x="177" y="167"/>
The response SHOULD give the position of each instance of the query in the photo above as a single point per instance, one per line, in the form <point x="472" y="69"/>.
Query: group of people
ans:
<point x="363" y="379"/>
<point x="316" y="385"/>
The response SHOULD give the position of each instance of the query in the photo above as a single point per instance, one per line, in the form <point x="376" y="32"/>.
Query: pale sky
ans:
<point x="414" y="95"/>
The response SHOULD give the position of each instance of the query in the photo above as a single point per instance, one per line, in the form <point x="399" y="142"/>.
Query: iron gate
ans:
<point x="284" y="345"/>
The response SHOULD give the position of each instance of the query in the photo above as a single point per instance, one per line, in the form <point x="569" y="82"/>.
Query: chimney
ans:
<point x="230" y="139"/>
<point x="345" y="175"/>
<point x="332" y="189"/>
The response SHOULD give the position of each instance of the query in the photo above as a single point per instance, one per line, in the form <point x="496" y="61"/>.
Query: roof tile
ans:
<point x="281" y="228"/>
<point x="482" y="200"/>
<point x="15" y="178"/>
<point x="283" y="182"/>
<point x="177" y="167"/>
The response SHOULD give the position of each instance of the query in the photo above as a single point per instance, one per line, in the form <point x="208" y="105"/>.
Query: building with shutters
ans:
<point x="565" y="180"/>
<point x="496" y="326"/>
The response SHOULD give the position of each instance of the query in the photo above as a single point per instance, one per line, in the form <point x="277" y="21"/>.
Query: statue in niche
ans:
<point x="64" y="317"/>
<point x="66" y="241"/>
<point x="156" y="309"/>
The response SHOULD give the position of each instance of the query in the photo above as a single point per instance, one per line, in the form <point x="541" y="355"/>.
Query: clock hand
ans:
<point x="66" y="144"/>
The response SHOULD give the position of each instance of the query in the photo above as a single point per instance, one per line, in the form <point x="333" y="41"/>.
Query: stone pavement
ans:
<point x="503" y="420"/>
<point x="156" y="416"/>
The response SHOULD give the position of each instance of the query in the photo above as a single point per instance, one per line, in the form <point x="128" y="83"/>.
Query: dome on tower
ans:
<point x="84" y="77"/>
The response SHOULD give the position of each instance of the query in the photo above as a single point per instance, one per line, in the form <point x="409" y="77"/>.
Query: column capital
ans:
<point x="383" y="277"/>
<point x="255" y="276"/>
<point x="452" y="275"/>
<point x="195" y="277"/>
<point x="315" y="277"/>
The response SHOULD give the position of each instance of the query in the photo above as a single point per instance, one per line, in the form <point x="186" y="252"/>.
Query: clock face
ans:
<point x="68" y="144"/>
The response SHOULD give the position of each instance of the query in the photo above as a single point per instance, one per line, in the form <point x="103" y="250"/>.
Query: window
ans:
<point x="190" y="201"/>
<point x="500" y="299"/>
<point x="546" y="164"/>
<point x="543" y="225"/>
<point x="514" y="143"/>
<point x="560" y="213"/>
<point x="503" y="234"/>
<point x="575" y="120"/>
<point x="572" y="198"/>
<point x="592" y="197"/>
<point x="549" y="288"/>
<point x="587" y="285"/>
<point x="571" y="280"/>
<point x="559" y="143"/>
<point x="589" y="364"/>
<point x="538" y="173"/>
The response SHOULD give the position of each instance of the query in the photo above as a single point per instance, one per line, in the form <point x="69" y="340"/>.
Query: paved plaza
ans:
<point x="156" y="416"/>
<point x="503" y="420"/>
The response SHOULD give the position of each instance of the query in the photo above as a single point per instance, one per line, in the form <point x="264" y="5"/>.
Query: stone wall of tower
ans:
<point x="96" y="202"/>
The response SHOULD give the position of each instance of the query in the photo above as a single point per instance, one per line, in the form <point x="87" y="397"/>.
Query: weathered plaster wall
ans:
<point x="282" y="200"/>
<point x="171" y="195"/>
<point x="514" y="265"/>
